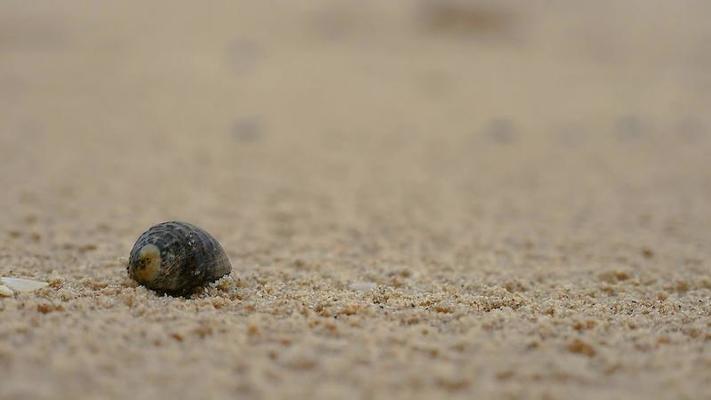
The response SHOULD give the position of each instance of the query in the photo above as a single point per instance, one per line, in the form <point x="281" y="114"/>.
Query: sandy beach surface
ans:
<point x="422" y="199"/>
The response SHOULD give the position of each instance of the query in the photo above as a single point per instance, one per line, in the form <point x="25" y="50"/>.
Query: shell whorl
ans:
<point x="177" y="257"/>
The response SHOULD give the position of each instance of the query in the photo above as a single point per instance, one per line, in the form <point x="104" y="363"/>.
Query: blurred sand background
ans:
<point x="425" y="199"/>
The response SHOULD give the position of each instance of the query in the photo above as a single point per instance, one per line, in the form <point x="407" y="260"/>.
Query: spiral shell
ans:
<point x="176" y="258"/>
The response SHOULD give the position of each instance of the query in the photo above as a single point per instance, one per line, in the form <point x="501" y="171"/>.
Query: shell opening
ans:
<point x="147" y="265"/>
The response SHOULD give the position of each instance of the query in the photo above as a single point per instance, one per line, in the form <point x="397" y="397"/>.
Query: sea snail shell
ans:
<point x="177" y="257"/>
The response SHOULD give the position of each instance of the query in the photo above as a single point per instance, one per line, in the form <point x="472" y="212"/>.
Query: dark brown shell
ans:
<point x="176" y="258"/>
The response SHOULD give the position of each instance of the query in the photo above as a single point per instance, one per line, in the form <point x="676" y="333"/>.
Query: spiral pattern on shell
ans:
<point x="176" y="258"/>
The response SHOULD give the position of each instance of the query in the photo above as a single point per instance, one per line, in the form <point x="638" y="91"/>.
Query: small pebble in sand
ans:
<point x="176" y="258"/>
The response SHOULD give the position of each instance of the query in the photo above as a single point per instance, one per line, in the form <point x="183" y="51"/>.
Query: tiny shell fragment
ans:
<point x="5" y="291"/>
<point x="19" y="285"/>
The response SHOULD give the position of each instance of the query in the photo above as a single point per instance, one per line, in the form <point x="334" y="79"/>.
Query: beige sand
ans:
<point x="476" y="199"/>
